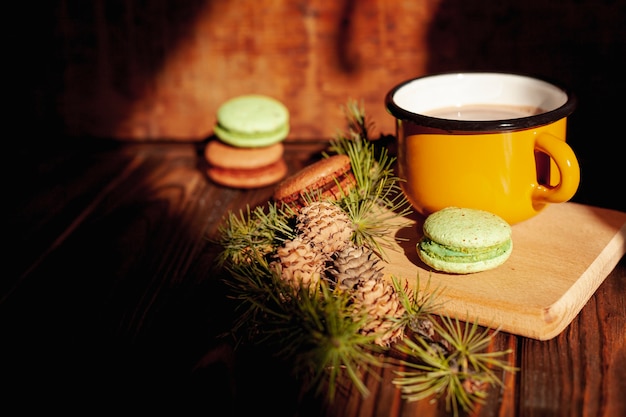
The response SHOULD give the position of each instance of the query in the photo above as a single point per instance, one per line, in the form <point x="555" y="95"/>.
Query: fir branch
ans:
<point x="458" y="368"/>
<point x="377" y="205"/>
<point x="332" y="346"/>
<point x="253" y="233"/>
<point x="358" y="123"/>
<point x="432" y="374"/>
<point x="419" y="304"/>
<point x="469" y="348"/>
<point x="319" y="329"/>
<point x="259" y="294"/>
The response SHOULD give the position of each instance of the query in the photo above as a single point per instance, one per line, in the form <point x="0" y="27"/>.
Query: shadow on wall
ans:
<point x="580" y="43"/>
<point x="113" y="50"/>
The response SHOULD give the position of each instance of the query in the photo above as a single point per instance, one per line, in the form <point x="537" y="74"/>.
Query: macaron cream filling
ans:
<point x="461" y="254"/>
<point x="280" y="131"/>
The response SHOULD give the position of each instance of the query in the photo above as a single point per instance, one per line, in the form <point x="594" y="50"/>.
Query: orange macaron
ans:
<point x="327" y="179"/>
<point x="245" y="167"/>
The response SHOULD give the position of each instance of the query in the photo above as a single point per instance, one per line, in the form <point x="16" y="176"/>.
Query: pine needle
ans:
<point x="458" y="368"/>
<point x="318" y="329"/>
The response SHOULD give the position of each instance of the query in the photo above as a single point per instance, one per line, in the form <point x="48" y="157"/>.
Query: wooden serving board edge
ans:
<point x="559" y="315"/>
<point x="541" y="322"/>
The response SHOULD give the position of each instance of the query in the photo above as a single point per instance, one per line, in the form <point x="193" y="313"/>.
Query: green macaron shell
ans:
<point x="252" y="121"/>
<point x="460" y="240"/>
<point x="459" y="228"/>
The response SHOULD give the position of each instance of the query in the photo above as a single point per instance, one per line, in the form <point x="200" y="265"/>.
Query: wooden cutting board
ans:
<point x="560" y="257"/>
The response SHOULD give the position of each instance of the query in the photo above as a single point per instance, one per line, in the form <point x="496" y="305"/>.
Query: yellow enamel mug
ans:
<point x="485" y="140"/>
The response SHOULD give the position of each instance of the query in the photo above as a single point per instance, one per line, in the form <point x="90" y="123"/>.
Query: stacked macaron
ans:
<point x="247" y="151"/>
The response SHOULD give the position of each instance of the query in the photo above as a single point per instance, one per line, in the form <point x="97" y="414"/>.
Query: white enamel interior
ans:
<point x="456" y="90"/>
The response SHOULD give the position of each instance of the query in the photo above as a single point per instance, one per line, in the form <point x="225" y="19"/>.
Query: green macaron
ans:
<point x="252" y="120"/>
<point x="462" y="240"/>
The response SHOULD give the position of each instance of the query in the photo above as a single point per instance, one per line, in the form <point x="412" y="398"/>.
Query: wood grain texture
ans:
<point x="159" y="69"/>
<point x="560" y="257"/>
<point x="566" y="369"/>
<point x="111" y="297"/>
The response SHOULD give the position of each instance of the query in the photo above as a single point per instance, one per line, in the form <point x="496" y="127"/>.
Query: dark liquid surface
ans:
<point x="484" y="112"/>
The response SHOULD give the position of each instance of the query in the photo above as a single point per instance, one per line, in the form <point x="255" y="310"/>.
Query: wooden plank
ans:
<point x="580" y="372"/>
<point x="126" y="294"/>
<point x="153" y="71"/>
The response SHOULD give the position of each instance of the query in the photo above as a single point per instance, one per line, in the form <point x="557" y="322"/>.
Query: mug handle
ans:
<point x="567" y="164"/>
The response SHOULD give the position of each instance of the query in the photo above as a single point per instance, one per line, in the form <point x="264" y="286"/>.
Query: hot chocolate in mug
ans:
<point x="485" y="140"/>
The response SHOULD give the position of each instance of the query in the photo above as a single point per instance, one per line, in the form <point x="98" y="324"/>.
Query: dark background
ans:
<point x="576" y="42"/>
<point x="580" y="43"/>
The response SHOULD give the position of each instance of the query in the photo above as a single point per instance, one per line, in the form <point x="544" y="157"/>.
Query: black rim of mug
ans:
<point x="486" y="126"/>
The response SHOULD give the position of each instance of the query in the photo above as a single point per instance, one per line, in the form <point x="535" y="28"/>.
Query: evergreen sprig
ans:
<point x="377" y="205"/>
<point x="253" y="233"/>
<point x="455" y="364"/>
<point x="331" y="346"/>
<point x="317" y="329"/>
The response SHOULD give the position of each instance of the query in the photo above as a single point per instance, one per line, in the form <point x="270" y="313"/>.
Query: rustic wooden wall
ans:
<point x="158" y="69"/>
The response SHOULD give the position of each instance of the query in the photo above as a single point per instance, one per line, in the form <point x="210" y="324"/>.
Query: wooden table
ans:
<point x="110" y="304"/>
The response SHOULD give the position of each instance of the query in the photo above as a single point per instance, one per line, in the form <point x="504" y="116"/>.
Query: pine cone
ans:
<point x="378" y="300"/>
<point x="299" y="263"/>
<point x="325" y="225"/>
<point x="353" y="264"/>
